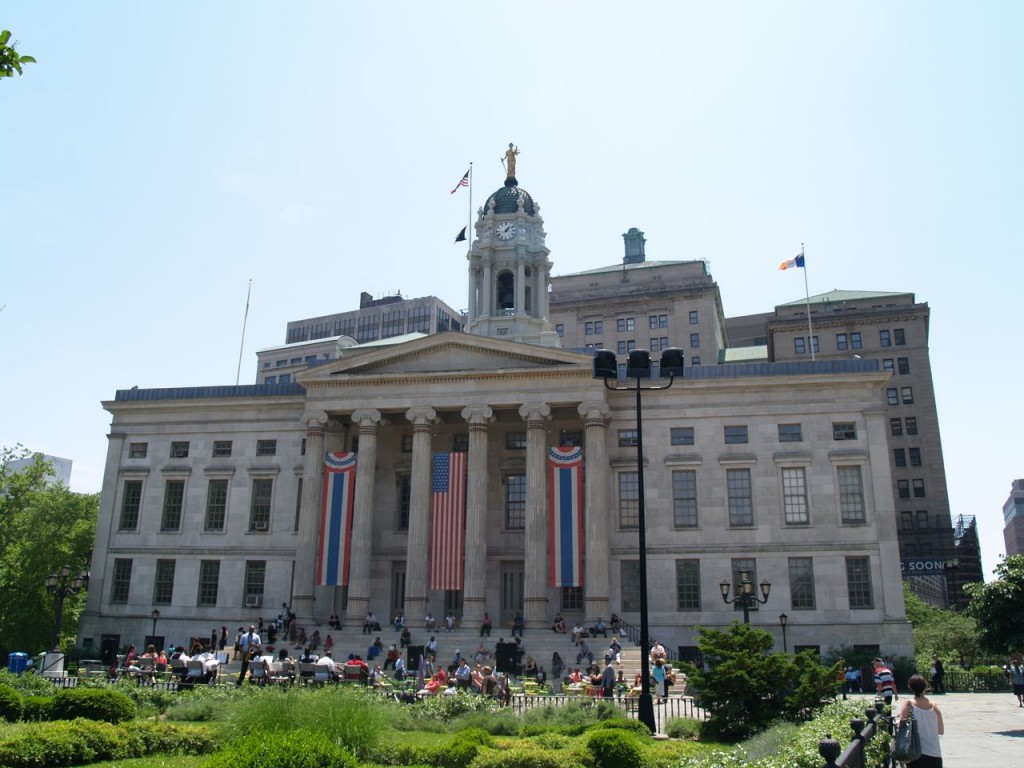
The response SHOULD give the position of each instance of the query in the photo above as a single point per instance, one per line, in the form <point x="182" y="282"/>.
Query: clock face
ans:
<point x="506" y="230"/>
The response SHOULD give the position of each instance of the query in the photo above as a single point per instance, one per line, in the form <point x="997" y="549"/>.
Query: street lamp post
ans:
<point x="638" y="368"/>
<point x="155" y="615"/>
<point x="60" y="585"/>
<point x="743" y="593"/>
<point x="784" y="620"/>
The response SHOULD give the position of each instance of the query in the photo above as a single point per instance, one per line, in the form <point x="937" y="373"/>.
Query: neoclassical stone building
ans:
<point x="214" y="509"/>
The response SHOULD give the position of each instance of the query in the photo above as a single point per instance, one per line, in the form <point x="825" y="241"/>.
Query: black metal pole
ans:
<point x="58" y="615"/>
<point x="745" y="599"/>
<point x="785" y="648"/>
<point x="645" y="709"/>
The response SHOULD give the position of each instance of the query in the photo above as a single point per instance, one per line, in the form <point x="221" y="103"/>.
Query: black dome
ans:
<point x="506" y="200"/>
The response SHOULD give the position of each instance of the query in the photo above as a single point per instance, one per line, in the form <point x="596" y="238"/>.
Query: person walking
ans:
<point x="1016" y="674"/>
<point x="929" y="724"/>
<point x="250" y="644"/>
<point x="938" y="676"/>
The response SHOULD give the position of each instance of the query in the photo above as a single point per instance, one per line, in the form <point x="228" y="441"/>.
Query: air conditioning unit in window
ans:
<point x="254" y="601"/>
<point x="259" y="525"/>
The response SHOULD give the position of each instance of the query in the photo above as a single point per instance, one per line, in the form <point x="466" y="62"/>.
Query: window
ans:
<point x="629" y="578"/>
<point x="855" y="342"/>
<point x="884" y="339"/>
<point x="794" y="496"/>
<point x="572" y="598"/>
<point x="131" y="501"/>
<point x="627" y="438"/>
<point x="694" y="341"/>
<point x="908" y="395"/>
<point x="851" y="495"/>
<point x="515" y="502"/>
<point x="138" y="450"/>
<point x="694" y="318"/>
<point x="687" y="585"/>
<point x="736" y="434"/>
<point x="222" y="448"/>
<point x="302" y="447"/>
<point x="903" y="365"/>
<point x="298" y="504"/>
<point x="593" y="327"/>
<point x="858" y="582"/>
<point x="515" y="441"/>
<point x="903" y="489"/>
<point x="406" y="444"/>
<point x="800" y="345"/>
<point x="900" y="337"/>
<point x="560" y="329"/>
<point x="915" y="457"/>
<point x="739" y="565"/>
<point x="907" y="520"/>
<point x="460" y="442"/>
<point x="684" y="498"/>
<point x="694" y="359"/>
<point x="163" y="585"/>
<point x="392" y="323"/>
<point x="895" y="427"/>
<point x="284" y="378"/>
<point x="259" y="507"/>
<point x="174" y="500"/>
<point x="681" y="435"/>
<point x="919" y="488"/>
<point x="266" y="447"/>
<point x="844" y="430"/>
<point x="209" y="581"/>
<point x="255" y="576"/>
<point x="624" y="324"/>
<point x="801" y="583"/>
<point x="741" y="503"/>
<point x="659" y="343"/>
<point x="216" y="505"/>
<point x="911" y="425"/>
<point x="179" y="450"/>
<point x="790" y="433"/>
<point x="657" y="321"/>
<point x="120" y="582"/>
<point x="621" y="348"/>
<point x="887" y="365"/>
<point x="842" y="343"/>
<point x="899" y="456"/>
<point x="270" y="379"/>
<point x="404" y="497"/>
<point x="629" y="500"/>
<point x="922" y="519"/>
<point x="892" y="397"/>
<point x="570" y="437"/>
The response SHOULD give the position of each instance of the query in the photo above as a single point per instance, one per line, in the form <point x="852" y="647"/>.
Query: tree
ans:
<point x="10" y="59"/>
<point x="43" y="526"/>
<point x="938" y="632"/>
<point x="997" y="607"/>
<point x="748" y="687"/>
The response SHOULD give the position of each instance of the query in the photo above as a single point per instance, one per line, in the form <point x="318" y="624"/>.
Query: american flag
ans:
<point x="463" y="182"/>
<point x="448" y="534"/>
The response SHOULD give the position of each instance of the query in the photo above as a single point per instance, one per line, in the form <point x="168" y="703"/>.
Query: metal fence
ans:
<point x="877" y="725"/>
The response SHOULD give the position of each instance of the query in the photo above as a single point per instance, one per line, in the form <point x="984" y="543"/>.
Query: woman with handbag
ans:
<point x="924" y="717"/>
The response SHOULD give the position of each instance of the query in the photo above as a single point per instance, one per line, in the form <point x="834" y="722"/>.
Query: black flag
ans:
<point x="462" y="236"/>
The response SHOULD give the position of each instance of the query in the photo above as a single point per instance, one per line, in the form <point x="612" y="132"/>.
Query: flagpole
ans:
<point x="245" y="320"/>
<point x="807" y="298"/>
<point x="469" y="216"/>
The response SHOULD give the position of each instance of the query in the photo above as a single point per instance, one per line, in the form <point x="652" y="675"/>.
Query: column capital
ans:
<point x="315" y="419"/>
<point x="594" y="412"/>
<point x="421" y="418"/>
<point x="367" y="419"/>
<point x="478" y="415"/>
<point x="535" y="412"/>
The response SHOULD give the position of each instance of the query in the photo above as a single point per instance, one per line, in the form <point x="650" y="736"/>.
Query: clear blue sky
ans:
<point x="160" y="155"/>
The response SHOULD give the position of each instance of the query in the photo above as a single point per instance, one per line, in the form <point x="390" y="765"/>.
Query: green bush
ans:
<point x="500" y="722"/>
<point x="460" y="751"/>
<point x="173" y="739"/>
<point x="10" y="704"/>
<point x="614" y="748"/>
<point x="621" y="722"/>
<point x="529" y="755"/>
<point x="109" y="706"/>
<point x="300" y="748"/>
<point x="570" y="720"/>
<point x="682" y="728"/>
<point x="26" y="684"/>
<point x="195" y="711"/>
<point x="37" y="708"/>
<point x="74" y="742"/>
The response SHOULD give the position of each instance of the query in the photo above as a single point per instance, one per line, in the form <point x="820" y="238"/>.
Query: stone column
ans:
<point x="596" y="524"/>
<point x="485" y="292"/>
<point x="362" y="523"/>
<point x="107" y="523"/>
<point x="520" y="288"/>
<point x="474" y="276"/>
<point x="474" y="590"/>
<point x="417" y="566"/>
<point x="535" y="600"/>
<point x="304" y="587"/>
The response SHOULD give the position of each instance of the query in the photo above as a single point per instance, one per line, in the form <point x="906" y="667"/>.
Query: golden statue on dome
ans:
<point x="509" y="160"/>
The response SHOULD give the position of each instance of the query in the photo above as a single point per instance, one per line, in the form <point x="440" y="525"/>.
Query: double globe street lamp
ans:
<point x="639" y="368"/>
<point x="743" y="593"/>
<point x="60" y="585"/>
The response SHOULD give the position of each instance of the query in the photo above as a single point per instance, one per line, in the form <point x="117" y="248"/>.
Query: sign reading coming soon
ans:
<point x="923" y="567"/>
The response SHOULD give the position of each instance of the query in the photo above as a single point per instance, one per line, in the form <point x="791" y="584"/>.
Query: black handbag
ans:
<point x="906" y="747"/>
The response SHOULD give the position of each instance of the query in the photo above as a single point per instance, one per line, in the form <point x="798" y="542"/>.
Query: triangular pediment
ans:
<point x="444" y="354"/>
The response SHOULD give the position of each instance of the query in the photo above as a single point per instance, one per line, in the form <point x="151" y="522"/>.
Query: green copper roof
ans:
<point x="506" y="200"/>
<point x="836" y="296"/>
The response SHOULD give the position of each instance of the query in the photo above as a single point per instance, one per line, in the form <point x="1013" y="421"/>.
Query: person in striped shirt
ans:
<point x="885" y="682"/>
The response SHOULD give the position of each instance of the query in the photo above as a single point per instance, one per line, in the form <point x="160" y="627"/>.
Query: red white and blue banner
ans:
<point x="336" y="519"/>
<point x="448" y="512"/>
<point x="565" y="492"/>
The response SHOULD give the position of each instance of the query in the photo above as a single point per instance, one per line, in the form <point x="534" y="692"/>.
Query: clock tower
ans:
<point x="509" y="269"/>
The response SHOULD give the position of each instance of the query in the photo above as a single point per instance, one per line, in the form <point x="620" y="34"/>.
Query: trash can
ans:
<point x="17" y="662"/>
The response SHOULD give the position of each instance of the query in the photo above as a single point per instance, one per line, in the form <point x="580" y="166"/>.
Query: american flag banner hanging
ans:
<point x="336" y="519"/>
<point x="565" y="491"/>
<point x="448" y="532"/>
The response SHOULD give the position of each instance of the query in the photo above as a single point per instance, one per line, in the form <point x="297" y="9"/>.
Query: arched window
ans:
<point x="506" y="291"/>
